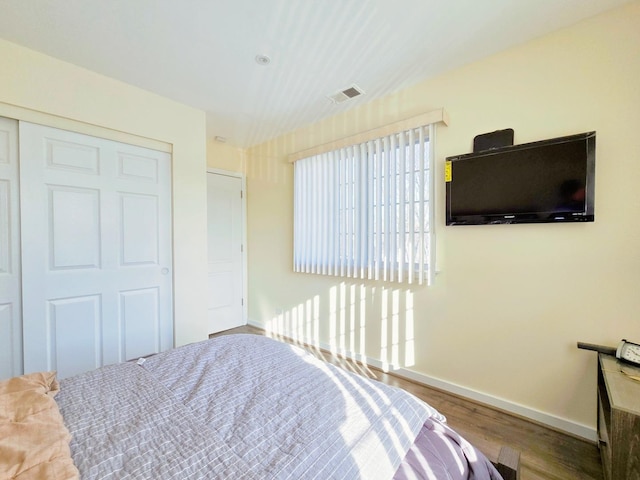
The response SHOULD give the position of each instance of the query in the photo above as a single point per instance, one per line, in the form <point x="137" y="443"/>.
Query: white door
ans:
<point x="10" y="315"/>
<point x="96" y="249"/>
<point x="225" y="232"/>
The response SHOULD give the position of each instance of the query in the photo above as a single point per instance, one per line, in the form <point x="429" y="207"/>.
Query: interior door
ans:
<point x="96" y="249"/>
<point x="10" y="314"/>
<point x="225" y="233"/>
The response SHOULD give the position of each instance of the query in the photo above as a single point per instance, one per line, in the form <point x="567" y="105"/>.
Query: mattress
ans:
<point x="246" y="406"/>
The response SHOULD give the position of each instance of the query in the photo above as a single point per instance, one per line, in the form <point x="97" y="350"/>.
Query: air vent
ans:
<point x="347" y="94"/>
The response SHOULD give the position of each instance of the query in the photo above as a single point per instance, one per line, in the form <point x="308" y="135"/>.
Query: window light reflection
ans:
<point x="409" y="343"/>
<point x="395" y="327"/>
<point x="384" y="325"/>
<point x="339" y="321"/>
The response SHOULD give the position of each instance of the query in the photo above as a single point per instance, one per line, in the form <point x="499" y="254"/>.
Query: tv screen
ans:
<point x="539" y="182"/>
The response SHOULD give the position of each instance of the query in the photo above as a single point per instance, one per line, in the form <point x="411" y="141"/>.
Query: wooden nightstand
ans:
<point x="618" y="419"/>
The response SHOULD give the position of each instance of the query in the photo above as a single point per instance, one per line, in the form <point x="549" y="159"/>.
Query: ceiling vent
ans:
<point x="347" y="94"/>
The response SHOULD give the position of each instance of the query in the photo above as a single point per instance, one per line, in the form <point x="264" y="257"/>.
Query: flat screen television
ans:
<point x="540" y="182"/>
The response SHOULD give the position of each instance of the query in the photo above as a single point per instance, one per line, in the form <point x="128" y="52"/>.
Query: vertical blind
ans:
<point x="364" y="211"/>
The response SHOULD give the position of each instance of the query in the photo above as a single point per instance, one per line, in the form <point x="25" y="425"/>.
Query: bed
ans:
<point x="250" y="407"/>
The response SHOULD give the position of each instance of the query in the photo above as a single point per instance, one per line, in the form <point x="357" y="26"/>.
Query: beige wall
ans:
<point x="41" y="89"/>
<point x="226" y="157"/>
<point x="510" y="301"/>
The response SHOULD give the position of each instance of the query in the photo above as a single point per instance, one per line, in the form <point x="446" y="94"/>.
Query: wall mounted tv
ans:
<point x="540" y="182"/>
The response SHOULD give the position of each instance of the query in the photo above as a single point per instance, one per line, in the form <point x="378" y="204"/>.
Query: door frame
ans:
<point x="243" y="223"/>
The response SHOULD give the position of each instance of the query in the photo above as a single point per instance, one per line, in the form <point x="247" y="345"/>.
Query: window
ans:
<point x="364" y="210"/>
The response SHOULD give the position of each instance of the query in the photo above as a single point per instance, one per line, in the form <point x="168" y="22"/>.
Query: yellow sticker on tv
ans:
<point x="447" y="171"/>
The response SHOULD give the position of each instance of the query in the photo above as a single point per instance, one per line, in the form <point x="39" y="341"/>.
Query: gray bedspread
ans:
<point x="237" y="407"/>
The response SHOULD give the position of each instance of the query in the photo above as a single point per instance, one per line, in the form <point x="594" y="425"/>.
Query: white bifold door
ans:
<point x="96" y="250"/>
<point x="10" y="305"/>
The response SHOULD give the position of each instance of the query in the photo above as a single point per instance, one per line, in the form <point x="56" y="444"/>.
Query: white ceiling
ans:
<point x="202" y="52"/>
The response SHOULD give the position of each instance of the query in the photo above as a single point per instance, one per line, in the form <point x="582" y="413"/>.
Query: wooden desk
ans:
<point x="618" y="419"/>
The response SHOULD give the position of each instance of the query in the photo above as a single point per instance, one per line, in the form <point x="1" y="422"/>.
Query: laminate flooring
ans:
<point x="546" y="454"/>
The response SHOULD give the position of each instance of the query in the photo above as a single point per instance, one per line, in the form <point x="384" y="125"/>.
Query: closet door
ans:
<point x="96" y="249"/>
<point x="10" y="315"/>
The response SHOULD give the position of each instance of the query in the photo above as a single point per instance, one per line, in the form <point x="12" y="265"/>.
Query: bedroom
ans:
<point x="514" y="298"/>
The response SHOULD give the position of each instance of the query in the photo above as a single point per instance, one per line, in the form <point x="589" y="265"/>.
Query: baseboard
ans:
<point x="551" y="421"/>
<point x="529" y="413"/>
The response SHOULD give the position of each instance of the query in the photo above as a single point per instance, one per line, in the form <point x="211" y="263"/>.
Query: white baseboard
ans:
<point x="557" y="423"/>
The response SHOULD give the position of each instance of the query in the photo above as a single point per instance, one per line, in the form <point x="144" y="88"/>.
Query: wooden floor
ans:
<point x="545" y="453"/>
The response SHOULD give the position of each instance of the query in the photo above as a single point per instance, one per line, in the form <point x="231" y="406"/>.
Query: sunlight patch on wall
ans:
<point x="352" y="318"/>
<point x="343" y="317"/>
<point x="384" y="327"/>
<point x="397" y="329"/>
<point x="314" y="336"/>
<point x="333" y="317"/>
<point x="409" y="338"/>
<point x="339" y="321"/>
<point x="363" y="320"/>
<point x="300" y="323"/>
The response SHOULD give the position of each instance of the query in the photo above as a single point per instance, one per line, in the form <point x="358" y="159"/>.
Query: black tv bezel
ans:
<point x="587" y="215"/>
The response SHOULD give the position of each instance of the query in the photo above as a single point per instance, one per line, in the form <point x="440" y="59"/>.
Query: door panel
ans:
<point x="10" y="299"/>
<point x="139" y="220"/>
<point x="8" y="354"/>
<point x="140" y="321"/>
<point x="225" y="227"/>
<point x="138" y="167"/>
<point x="5" y="227"/>
<point x="74" y="233"/>
<point x="72" y="157"/>
<point x="96" y="223"/>
<point x="75" y="325"/>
